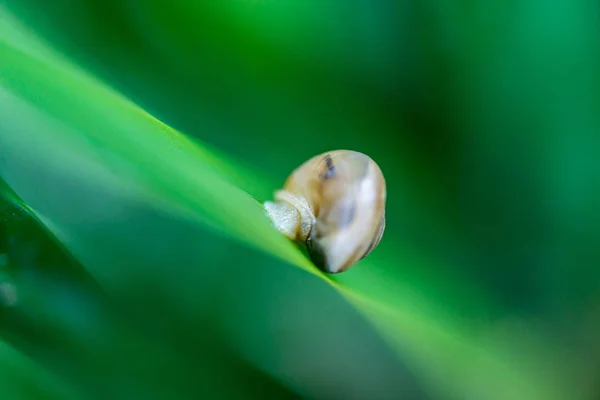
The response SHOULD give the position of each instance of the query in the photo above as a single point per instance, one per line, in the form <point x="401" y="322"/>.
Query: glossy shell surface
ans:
<point x="340" y="200"/>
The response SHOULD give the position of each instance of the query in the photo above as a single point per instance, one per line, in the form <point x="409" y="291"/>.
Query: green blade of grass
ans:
<point x="55" y="117"/>
<point x="146" y="157"/>
<point x="21" y="377"/>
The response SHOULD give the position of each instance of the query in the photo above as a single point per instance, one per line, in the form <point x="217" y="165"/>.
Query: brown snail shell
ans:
<point x="334" y="204"/>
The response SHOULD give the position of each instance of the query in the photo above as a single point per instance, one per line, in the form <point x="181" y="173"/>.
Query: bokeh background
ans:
<point x="484" y="118"/>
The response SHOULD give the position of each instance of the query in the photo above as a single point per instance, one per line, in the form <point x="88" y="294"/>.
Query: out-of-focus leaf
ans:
<point x="22" y="378"/>
<point x="56" y="119"/>
<point x="146" y="157"/>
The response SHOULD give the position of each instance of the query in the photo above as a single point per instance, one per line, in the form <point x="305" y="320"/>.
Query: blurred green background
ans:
<point x="484" y="118"/>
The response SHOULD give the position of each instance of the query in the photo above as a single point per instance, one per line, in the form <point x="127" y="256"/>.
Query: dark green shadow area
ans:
<point x="105" y="345"/>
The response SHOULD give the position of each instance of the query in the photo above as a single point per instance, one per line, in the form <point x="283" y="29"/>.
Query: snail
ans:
<point x="334" y="205"/>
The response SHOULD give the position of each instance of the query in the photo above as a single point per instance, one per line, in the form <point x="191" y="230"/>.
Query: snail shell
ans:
<point x="334" y="204"/>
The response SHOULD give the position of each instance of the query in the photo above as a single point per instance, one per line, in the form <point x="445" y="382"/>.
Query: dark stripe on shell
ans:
<point x="347" y="216"/>
<point x="376" y="238"/>
<point x="330" y="171"/>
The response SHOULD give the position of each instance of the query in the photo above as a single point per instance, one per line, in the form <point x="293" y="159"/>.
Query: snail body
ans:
<point x="334" y="204"/>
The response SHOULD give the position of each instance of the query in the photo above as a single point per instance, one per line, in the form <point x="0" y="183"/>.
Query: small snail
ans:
<point x="334" y="204"/>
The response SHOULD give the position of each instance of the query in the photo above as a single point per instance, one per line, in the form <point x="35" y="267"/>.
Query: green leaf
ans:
<point x="58" y="122"/>
<point x="21" y="377"/>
